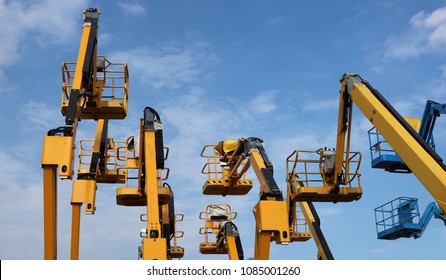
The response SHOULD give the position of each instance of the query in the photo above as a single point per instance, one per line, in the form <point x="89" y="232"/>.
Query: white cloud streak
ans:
<point x="264" y="102"/>
<point x="318" y="106"/>
<point x="169" y="66"/>
<point x="427" y="34"/>
<point x="49" y="21"/>
<point x="132" y="9"/>
<point x="38" y="115"/>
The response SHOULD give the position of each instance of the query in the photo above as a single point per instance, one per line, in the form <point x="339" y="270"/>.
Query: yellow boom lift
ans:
<point x="419" y="157"/>
<point x="84" y="85"/>
<point x="97" y="89"/>
<point x="147" y="157"/>
<point x="276" y="218"/>
<point x="218" y="223"/>
<point x="328" y="175"/>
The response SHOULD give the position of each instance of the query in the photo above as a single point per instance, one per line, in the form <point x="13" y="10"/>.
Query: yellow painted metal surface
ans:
<point x="415" y="123"/>
<point x="77" y="83"/>
<point x="271" y="224"/>
<point x="423" y="166"/>
<point x="309" y="217"/>
<point x="273" y="217"/>
<point x="84" y="191"/>
<point x="59" y="150"/>
<point x="50" y="211"/>
<point x="154" y="249"/>
<point x="311" y="182"/>
<point x="227" y="146"/>
<point x="111" y="91"/>
<point x="258" y="164"/>
<point x="232" y="248"/>
<point x="75" y="230"/>
<point x="223" y="187"/>
<point x="225" y="178"/>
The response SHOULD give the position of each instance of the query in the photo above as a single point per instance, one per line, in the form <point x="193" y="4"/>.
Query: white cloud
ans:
<point x="318" y="106"/>
<point x="105" y="38"/>
<point x="45" y="21"/>
<point x="38" y="115"/>
<point x="169" y="66"/>
<point x="331" y="211"/>
<point x="132" y="9"/>
<point x="427" y="34"/>
<point x="435" y="19"/>
<point x="198" y="121"/>
<point x="283" y="147"/>
<point x="264" y="102"/>
<point x="8" y="171"/>
<point x="412" y="106"/>
<point x="21" y="203"/>
<point x="51" y="21"/>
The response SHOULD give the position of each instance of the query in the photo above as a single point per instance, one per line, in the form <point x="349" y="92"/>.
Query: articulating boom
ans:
<point x="276" y="218"/>
<point x="431" y="112"/>
<point x="416" y="153"/>
<point x="84" y="82"/>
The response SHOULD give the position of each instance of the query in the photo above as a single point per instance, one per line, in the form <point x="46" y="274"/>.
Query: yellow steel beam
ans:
<point x="154" y="246"/>
<point x="271" y="224"/>
<point x="324" y="252"/>
<point x="258" y="164"/>
<point x="59" y="151"/>
<point x="75" y="230"/>
<point x="232" y="247"/>
<point x="100" y="134"/>
<point x="83" y="191"/>
<point x="50" y="211"/>
<point x="262" y="246"/>
<point x="77" y="82"/>
<point x="430" y="173"/>
<point x="342" y="142"/>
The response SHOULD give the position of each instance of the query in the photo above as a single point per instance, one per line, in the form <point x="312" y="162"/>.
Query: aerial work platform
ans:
<point x="218" y="223"/>
<point x="398" y="218"/>
<point x="383" y="156"/>
<point x="311" y="175"/>
<point x="108" y="99"/>
<point x="222" y="178"/>
<point x="401" y="218"/>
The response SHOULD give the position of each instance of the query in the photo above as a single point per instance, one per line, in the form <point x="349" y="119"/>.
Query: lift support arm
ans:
<point x="314" y="223"/>
<point x="58" y="150"/>
<point x="422" y="160"/>
<point x="263" y="169"/>
<point x="155" y="245"/>
<point x="431" y="112"/>
<point x="432" y="210"/>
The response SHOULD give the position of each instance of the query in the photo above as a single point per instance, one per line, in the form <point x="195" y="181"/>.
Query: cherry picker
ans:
<point x="93" y="89"/>
<point x="419" y="157"/>
<point x="218" y="222"/>
<point x="146" y="155"/>
<point x="96" y="89"/>
<point x="276" y="218"/>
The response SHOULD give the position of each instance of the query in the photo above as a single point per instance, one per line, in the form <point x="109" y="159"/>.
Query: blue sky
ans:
<point x="219" y="70"/>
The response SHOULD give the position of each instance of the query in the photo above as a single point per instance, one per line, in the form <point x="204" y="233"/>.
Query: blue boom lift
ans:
<point x="400" y="217"/>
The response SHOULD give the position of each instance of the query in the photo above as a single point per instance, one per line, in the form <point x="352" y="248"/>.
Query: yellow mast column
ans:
<point x="154" y="246"/>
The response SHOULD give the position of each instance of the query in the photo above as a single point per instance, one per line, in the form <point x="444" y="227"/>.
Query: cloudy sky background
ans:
<point x="219" y="70"/>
